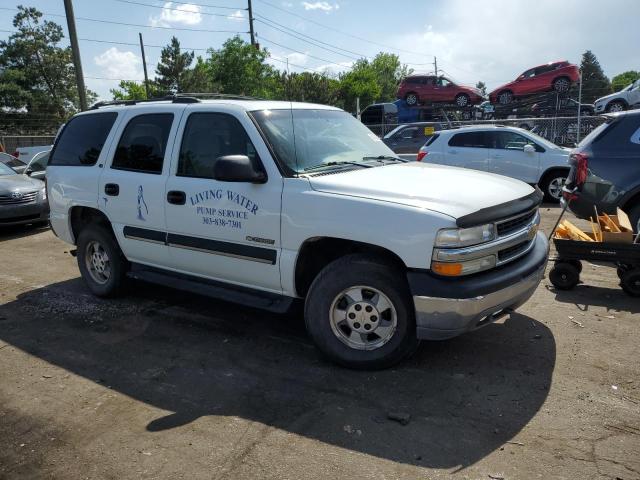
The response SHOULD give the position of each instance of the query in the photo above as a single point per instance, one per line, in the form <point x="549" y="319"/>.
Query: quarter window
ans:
<point x="143" y="143"/>
<point x="469" y="140"/>
<point x="82" y="139"/>
<point x="208" y="136"/>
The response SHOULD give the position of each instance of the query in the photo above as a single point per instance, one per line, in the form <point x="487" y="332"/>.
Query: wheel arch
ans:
<point x="80" y="216"/>
<point x="549" y="171"/>
<point x="317" y="252"/>
<point x="618" y="100"/>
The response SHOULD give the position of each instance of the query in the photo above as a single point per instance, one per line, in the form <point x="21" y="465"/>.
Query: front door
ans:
<point x="509" y="158"/>
<point x="228" y="231"/>
<point x="132" y="186"/>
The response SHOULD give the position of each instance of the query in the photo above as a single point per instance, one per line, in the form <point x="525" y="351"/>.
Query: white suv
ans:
<point x="510" y="151"/>
<point x="627" y="98"/>
<point x="263" y="203"/>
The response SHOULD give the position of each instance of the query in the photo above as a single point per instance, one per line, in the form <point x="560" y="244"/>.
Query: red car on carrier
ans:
<point x="416" y="89"/>
<point x="556" y="76"/>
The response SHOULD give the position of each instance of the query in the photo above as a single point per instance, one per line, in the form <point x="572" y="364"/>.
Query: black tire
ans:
<point x="630" y="282"/>
<point x="411" y="99"/>
<point x="564" y="276"/>
<point x="550" y="185"/>
<point x="561" y="85"/>
<point x="622" y="269"/>
<point x="616" y="106"/>
<point x="462" y="100"/>
<point x="360" y="271"/>
<point x="505" y="97"/>
<point x="575" y="263"/>
<point x="117" y="264"/>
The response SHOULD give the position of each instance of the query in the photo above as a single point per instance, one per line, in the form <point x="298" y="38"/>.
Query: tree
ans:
<point x="362" y="82"/>
<point x="482" y="87"/>
<point x="131" y="90"/>
<point x="172" y="70"/>
<point x="624" y="79"/>
<point x="240" y="68"/>
<point x="389" y="73"/>
<point x="595" y="83"/>
<point x="36" y="74"/>
<point x="309" y="87"/>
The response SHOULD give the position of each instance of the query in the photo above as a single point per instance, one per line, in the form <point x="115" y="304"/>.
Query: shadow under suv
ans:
<point x="605" y="169"/>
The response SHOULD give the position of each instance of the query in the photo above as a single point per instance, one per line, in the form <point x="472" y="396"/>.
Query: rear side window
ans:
<point x="82" y="139"/>
<point x="143" y="143"/>
<point x="469" y="140"/>
<point x="208" y="136"/>
<point x="432" y="139"/>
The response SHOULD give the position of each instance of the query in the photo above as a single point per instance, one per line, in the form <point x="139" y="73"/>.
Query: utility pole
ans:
<point x="435" y="65"/>
<point x="579" y="107"/>
<point x="251" y="32"/>
<point x="144" y="66"/>
<point x="75" y="50"/>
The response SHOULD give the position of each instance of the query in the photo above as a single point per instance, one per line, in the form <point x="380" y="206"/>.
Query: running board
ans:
<point x="210" y="288"/>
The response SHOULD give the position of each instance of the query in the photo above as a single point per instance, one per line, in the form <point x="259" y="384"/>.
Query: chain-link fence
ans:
<point x="562" y="131"/>
<point x="12" y="142"/>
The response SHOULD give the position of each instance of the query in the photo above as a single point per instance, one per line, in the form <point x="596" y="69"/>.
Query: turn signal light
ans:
<point x="447" y="269"/>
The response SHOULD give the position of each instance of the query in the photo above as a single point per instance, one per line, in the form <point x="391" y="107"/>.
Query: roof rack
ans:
<point x="174" y="98"/>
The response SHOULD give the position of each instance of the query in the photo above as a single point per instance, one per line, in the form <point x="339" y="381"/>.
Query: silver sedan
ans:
<point x="22" y="199"/>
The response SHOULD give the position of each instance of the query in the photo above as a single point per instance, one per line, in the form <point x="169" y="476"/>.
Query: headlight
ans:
<point x="467" y="267"/>
<point x="44" y="193"/>
<point x="463" y="237"/>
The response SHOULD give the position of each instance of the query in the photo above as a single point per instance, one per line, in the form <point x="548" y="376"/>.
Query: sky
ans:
<point x="491" y="41"/>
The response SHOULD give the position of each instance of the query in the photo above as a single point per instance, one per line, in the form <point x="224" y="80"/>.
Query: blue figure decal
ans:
<point x="142" y="203"/>
<point x="105" y="201"/>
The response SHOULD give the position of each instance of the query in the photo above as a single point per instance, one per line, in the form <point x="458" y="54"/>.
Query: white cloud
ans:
<point x="324" y="6"/>
<point x="186" y="14"/>
<point x="115" y="63"/>
<point x="237" y="16"/>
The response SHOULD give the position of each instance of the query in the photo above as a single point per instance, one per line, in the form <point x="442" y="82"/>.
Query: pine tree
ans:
<point x="173" y="67"/>
<point x="595" y="83"/>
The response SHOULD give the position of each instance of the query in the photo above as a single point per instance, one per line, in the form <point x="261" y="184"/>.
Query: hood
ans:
<point x="497" y="90"/>
<point x="19" y="183"/>
<point x="608" y="97"/>
<point x="449" y="190"/>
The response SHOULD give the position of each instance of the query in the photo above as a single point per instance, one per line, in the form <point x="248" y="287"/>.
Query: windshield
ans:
<point x="542" y="141"/>
<point x="304" y="138"/>
<point x="5" y="170"/>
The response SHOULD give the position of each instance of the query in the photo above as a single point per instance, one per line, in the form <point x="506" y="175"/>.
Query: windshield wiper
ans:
<point x="386" y="157"/>
<point x="332" y="164"/>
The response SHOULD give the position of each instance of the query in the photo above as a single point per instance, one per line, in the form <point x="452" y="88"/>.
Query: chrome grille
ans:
<point x="18" y="198"/>
<point x="516" y="223"/>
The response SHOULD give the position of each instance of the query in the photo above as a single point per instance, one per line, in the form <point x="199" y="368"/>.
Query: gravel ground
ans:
<point x="162" y="384"/>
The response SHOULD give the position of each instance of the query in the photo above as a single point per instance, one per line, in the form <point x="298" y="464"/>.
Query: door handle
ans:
<point x="453" y="152"/>
<point x="176" y="197"/>
<point x="112" y="189"/>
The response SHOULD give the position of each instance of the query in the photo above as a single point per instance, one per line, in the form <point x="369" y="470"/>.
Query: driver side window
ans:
<point x="512" y="141"/>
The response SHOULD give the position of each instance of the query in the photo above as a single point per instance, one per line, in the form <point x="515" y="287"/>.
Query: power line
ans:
<point x="209" y="6"/>
<point x="173" y="9"/>
<point x="303" y="53"/>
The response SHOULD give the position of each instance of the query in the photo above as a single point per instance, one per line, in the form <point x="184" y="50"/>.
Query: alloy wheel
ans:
<point x="97" y="262"/>
<point x="363" y="318"/>
<point x="555" y="187"/>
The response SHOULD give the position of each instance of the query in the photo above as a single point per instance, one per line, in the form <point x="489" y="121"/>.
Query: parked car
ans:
<point x="22" y="199"/>
<point x="416" y="89"/>
<point x="38" y="165"/>
<point x="627" y="98"/>
<point x="564" y="107"/>
<point x="406" y="140"/>
<point x="554" y="76"/>
<point x="25" y="154"/>
<point x="12" y="162"/>
<point x="604" y="169"/>
<point x="265" y="202"/>
<point x="380" y="117"/>
<point x="508" y="151"/>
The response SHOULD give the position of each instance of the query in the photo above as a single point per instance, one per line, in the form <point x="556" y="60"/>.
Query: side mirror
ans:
<point x="528" y="148"/>
<point x="237" y="168"/>
<point x="28" y="171"/>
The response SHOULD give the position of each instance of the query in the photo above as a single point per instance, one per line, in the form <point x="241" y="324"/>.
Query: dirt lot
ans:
<point x="162" y="384"/>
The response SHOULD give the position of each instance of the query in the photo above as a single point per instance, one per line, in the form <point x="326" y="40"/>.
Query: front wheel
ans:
<point x="360" y="314"/>
<point x="505" y="97"/>
<point x="551" y="185"/>
<point x="101" y="263"/>
<point x="411" y="99"/>
<point x="616" y="106"/>
<point x="561" y="85"/>
<point x="462" y="100"/>
<point x="564" y="276"/>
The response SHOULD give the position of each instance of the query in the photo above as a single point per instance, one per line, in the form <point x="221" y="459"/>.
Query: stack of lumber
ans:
<point x="568" y="231"/>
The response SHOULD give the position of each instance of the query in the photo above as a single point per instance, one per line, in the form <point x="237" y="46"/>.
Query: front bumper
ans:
<point x="35" y="212"/>
<point x="446" y="308"/>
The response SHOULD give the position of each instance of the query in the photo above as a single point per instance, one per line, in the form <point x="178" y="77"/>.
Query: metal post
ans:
<point x="251" y="32"/>
<point x="579" y="107"/>
<point x="144" y="66"/>
<point x="435" y="65"/>
<point x="75" y="50"/>
<point x="358" y="108"/>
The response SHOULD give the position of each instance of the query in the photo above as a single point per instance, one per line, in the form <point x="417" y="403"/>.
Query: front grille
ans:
<point x="510" y="252"/>
<point x="516" y="223"/>
<point x="12" y="199"/>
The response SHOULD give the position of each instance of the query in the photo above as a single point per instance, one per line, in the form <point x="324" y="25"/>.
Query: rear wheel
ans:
<point x="360" y="314"/>
<point x="561" y="85"/>
<point x="551" y="185"/>
<point x="630" y="282"/>
<point x="411" y="98"/>
<point x="462" y="100"/>
<point x="505" y="97"/>
<point x="564" y="276"/>
<point x="101" y="263"/>
<point x="616" y="106"/>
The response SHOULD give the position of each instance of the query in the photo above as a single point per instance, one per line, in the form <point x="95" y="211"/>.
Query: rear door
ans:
<point x="468" y="150"/>
<point x="227" y="231"/>
<point x="509" y="158"/>
<point x="132" y="185"/>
